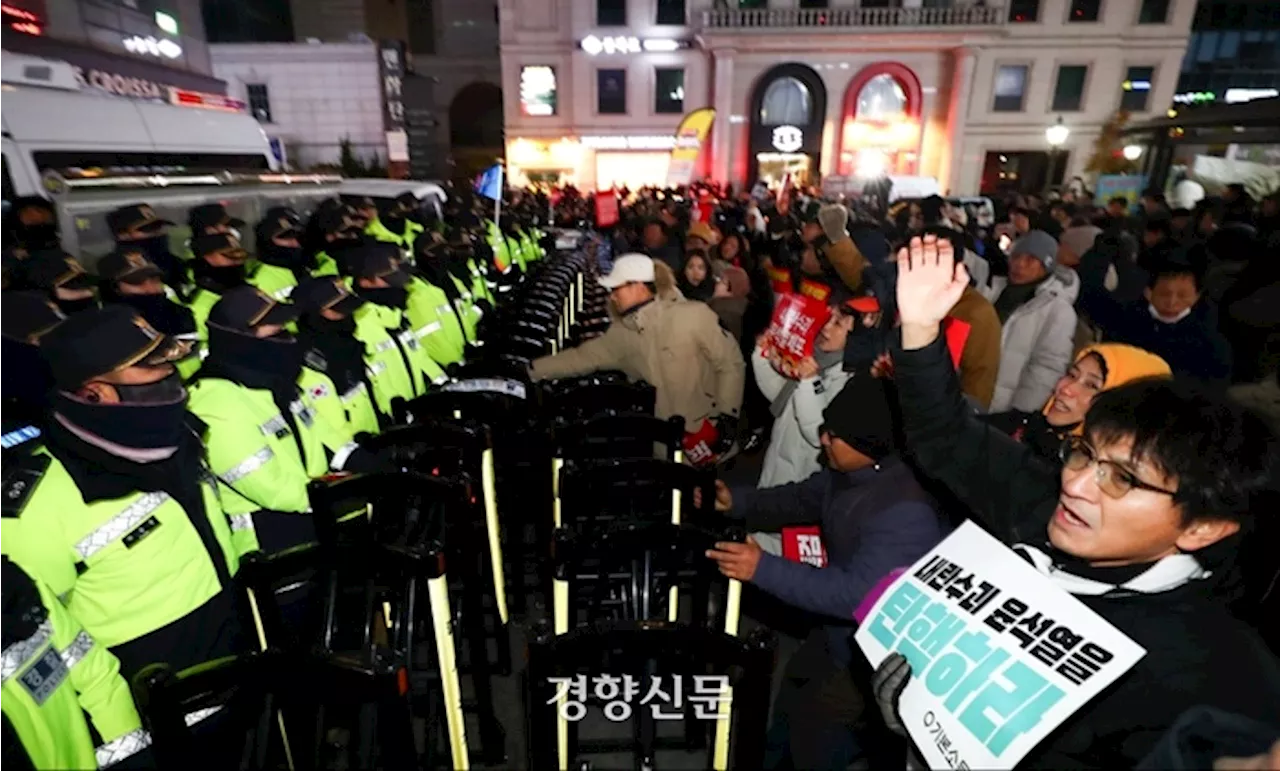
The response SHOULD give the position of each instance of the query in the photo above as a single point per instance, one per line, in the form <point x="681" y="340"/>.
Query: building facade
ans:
<point x="123" y="47"/>
<point x="1233" y="55"/>
<point x="310" y="98"/>
<point x="450" y="90"/>
<point x="959" y="91"/>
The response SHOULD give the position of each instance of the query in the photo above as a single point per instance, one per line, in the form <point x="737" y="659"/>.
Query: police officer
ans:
<point x="211" y="218"/>
<point x="279" y="243"/>
<point x="118" y="513"/>
<point x="25" y="378"/>
<point x="54" y="675"/>
<point x="220" y="265"/>
<point x="265" y="436"/>
<point x="444" y="266"/>
<point x="31" y="223"/>
<point x="380" y="279"/>
<point x="62" y="277"/>
<point x="128" y="277"/>
<point x="332" y="232"/>
<point x="138" y="226"/>
<point x="326" y="331"/>
<point x="397" y="226"/>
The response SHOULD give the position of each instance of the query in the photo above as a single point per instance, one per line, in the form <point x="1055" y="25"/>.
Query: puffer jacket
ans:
<point x="795" y="445"/>
<point x="1036" y="342"/>
<point x="677" y="346"/>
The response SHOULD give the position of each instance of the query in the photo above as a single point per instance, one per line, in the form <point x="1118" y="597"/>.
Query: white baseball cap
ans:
<point x="628" y="268"/>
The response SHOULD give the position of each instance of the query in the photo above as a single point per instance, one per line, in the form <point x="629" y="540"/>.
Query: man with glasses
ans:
<point x="1141" y="525"/>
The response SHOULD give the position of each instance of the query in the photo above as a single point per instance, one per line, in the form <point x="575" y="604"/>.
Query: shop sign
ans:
<point x="626" y="44"/>
<point x="391" y="69"/>
<point x="121" y="85"/>
<point x="24" y="20"/>
<point x="787" y="139"/>
<point x="150" y="46"/>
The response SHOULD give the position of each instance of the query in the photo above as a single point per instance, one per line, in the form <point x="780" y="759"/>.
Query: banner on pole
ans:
<point x="690" y="137"/>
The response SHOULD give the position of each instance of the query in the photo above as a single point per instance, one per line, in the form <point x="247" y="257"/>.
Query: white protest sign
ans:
<point x="999" y="655"/>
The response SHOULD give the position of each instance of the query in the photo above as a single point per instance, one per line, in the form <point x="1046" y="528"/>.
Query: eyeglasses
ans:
<point x="1113" y="479"/>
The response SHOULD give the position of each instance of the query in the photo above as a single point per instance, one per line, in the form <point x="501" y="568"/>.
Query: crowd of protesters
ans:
<point x="1107" y="409"/>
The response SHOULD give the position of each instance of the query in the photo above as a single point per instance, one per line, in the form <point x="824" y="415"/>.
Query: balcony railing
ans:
<point x="845" y="18"/>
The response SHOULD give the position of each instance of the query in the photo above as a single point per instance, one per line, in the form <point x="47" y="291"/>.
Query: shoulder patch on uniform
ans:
<point x="44" y="676"/>
<point x="20" y="480"/>
<point x="316" y="360"/>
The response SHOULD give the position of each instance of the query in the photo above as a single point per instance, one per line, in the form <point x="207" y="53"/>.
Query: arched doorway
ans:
<point x="880" y="122"/>
<point x="788" y="106"/>
<point x="475" y="128"/>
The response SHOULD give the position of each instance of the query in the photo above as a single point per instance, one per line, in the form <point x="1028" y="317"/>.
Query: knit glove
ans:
<point x="833" y="218"/>
<point x="887" y="683"/>
<point x="21" y="607"/>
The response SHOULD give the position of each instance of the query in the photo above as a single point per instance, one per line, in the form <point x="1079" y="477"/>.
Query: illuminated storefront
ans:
<point x="787" y="109"/>
<point x="880" y="122"/>
<point x="591" y="161"/>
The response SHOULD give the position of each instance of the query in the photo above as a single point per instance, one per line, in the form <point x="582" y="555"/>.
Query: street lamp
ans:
<point x="1056" y="135"/>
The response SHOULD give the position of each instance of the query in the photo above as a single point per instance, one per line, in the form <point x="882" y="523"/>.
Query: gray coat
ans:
<point x="795" y="444"/>
<point x="1037" y="341"/>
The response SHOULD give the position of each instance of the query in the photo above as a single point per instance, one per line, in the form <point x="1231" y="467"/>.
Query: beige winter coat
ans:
<point x="677" y="346"/>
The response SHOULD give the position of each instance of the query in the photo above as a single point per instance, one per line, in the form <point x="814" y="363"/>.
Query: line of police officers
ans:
<point x="163" y="419"/>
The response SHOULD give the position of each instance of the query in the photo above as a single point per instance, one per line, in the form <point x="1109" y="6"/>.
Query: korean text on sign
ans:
<point x="666" y="697"/>
<point x="999" y="655"/>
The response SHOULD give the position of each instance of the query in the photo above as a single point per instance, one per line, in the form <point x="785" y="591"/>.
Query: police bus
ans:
<point x="91" y="153"/>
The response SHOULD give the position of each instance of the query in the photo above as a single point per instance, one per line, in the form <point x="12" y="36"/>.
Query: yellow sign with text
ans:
<point x="691" y="136"/>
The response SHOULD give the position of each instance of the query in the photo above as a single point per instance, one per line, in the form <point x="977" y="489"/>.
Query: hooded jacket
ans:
<point x="1121" y="364"/>
<point x="1036" y="341"/>
<point x="794" y="445"/>
<point x="678" y="346"/>
<point x="1197" y="653"/>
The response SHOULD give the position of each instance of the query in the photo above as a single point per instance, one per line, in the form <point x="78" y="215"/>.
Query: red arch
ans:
<point x="899" y="72"/>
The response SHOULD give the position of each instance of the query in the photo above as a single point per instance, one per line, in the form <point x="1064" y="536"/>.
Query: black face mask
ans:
<point x="276" y="359"/>
<point x="291" y="257"/>
<point x="69" y="307"/>
<point x="159" y="311"/>
<point x="217" y="279"/>
<point x="149" y="417"/>
<point x="391" y="297"/>
<point x="319" y="325"/>
<point x="43" y="235"/>
<point x="156" y="248"/>
<point x="344" y="240"/>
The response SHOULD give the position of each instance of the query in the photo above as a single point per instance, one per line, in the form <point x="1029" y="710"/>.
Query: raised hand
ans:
<point x="930" y="281"/>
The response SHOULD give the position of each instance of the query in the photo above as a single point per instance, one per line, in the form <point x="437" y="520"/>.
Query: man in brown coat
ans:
<point x="678" y="346"/>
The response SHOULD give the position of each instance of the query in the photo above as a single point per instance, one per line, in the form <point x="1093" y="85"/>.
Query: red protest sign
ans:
<point x="606" y="209"/>
<point x="698" y="444"/>
<point x="804" y="544"/>
<point x="797" y="320"/>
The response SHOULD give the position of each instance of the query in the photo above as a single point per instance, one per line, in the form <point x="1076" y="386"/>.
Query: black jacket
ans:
<point x="1197" y="654"/>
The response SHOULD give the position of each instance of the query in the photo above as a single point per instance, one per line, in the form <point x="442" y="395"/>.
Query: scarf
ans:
<point x="826" y="360"/>
<point x="1014" y="296"/>
<point x="1159" y="576"/>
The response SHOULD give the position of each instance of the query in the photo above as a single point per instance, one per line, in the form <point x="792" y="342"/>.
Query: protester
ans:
<point x="1034" y="305"/>
<point x="1097" y="368"/>
<point x="657" y="244"/>
<point x="875" y="517"/>
<point x="697" y="282"/>
<point x="1173" y="323"/>
<point x="798" y="396"/>
<point x="1149" y="510"/>
<point x="678" y="347"/>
